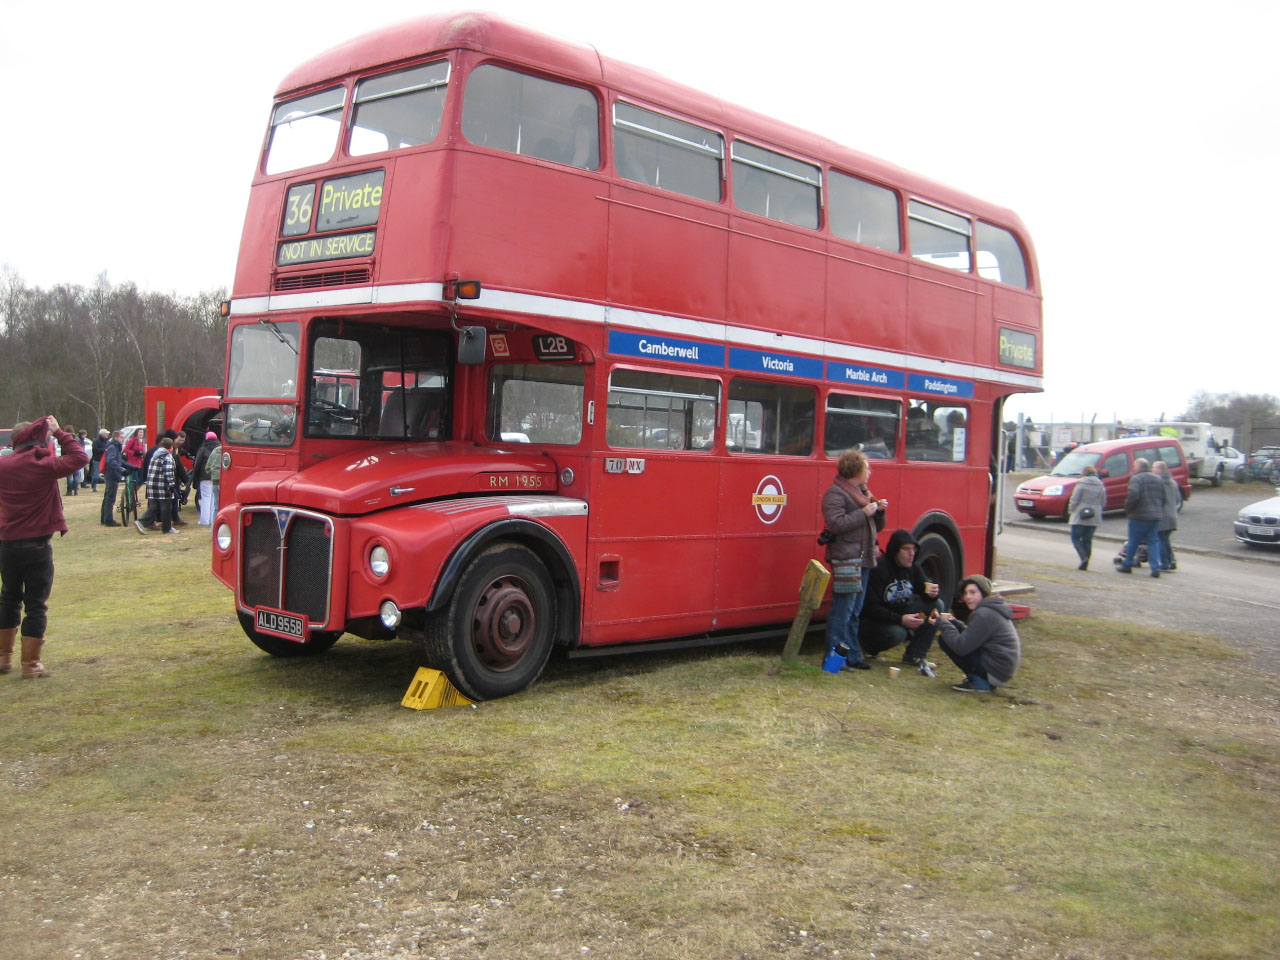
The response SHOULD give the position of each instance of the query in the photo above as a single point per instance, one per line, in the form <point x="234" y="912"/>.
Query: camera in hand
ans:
<point x="824" y="538"/>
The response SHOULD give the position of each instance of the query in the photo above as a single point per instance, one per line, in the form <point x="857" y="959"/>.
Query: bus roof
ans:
<point x="500" y="38"/>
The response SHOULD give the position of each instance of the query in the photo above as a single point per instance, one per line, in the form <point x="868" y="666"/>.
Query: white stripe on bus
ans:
<point x="620" y="316"/>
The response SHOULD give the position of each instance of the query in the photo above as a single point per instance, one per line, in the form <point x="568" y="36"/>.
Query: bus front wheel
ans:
<point x="937" y="559"/>
<point x="317" y="643"/>
<point x="495" y="636"/>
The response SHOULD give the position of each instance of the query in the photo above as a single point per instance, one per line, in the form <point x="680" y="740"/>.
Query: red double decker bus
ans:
<point x="530" y="348"/>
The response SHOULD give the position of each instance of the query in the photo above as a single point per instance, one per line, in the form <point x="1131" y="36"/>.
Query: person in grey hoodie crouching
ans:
<point x="987" y="648"/>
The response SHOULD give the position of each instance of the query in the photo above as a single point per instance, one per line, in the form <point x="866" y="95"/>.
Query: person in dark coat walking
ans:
<point x="1145" y="507"/>
<point x="111" y="477"/>
<point x="97" y="448"/>
<point x="1169" y="515"/>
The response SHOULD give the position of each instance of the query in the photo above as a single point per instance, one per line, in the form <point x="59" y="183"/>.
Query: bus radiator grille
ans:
<point x="306" y="575"/>
<point x="304" y="587"/>
<point x="260" y="557"/>
<point x="329" y="278"/>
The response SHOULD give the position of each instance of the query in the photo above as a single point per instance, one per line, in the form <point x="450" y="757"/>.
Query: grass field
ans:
<point x="173" y="792"/>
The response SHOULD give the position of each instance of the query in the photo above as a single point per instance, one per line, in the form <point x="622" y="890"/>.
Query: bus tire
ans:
<point x="495" y="635"/>
<point x="937" y="559"/>
<point x="317" y="643"/>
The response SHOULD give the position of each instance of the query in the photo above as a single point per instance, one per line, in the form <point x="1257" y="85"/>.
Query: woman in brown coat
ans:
<point x="849" y="511"/>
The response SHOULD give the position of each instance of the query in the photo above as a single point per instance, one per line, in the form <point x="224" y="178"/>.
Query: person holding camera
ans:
<point x="30" y="514"/>
<point x="850" y="512"/>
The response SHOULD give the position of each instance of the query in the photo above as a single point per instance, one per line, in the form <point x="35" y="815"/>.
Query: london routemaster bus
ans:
<point x="530" y="348"/>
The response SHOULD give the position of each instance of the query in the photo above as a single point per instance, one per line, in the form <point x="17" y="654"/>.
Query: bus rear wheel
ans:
<point x="496" y="634"/>
<point x="317" y="643"/>
<point x="937" y="559"/>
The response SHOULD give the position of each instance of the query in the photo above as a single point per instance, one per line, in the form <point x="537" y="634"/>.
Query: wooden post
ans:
<point x="813" y="587"/>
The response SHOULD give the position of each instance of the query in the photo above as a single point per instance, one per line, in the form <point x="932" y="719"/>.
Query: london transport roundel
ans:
<point x="769" y="499"/>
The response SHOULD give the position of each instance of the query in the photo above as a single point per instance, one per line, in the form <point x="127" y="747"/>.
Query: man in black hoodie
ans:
<point x="898" y="603"/>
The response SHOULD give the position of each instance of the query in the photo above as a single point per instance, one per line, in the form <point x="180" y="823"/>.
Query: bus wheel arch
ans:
<point x="545" y="545"/>
<point x="494" y="635"/>
<point x="530" y="583"/>
<point x="940" y="553"/>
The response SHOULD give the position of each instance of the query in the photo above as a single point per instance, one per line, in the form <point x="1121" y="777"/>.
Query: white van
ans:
<point x="1203" y="443"/>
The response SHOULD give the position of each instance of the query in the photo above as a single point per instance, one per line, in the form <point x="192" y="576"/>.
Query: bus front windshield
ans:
<point x="263" y="364"/>
<point x="377" y="383"/>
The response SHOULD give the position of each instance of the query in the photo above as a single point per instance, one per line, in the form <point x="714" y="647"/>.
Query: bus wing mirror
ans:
<point x="471" y="345"/>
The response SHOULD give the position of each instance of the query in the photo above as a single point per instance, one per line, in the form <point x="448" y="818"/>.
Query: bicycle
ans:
<point x="128" y="502"/>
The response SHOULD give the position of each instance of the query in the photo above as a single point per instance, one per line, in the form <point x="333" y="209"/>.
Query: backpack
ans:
<point x="213" y="466"/>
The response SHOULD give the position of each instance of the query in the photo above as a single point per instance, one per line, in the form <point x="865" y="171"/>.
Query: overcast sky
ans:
<point x="1138" y="142"/>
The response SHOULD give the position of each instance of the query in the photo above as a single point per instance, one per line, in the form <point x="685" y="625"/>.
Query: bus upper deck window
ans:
<point x="667" y="153"/>
<point x="863" y="212"/>
<point x="397" y="110"/>
<point x="304" y="131"/>
<point x="1000" y="256"/>
<point x="939" y="237"/>
<point x="533" y="117"/>
<point x="775" y="186"/>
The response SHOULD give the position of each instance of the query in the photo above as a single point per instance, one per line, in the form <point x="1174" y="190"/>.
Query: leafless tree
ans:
<point x="85" y="354"/>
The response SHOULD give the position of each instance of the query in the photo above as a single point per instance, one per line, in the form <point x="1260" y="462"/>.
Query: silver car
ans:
<point x="1259" y="522"/>
<point x="1233" y="464"/>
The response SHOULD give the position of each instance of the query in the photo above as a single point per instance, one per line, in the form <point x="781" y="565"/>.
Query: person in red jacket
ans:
<point x="30" y="514"/>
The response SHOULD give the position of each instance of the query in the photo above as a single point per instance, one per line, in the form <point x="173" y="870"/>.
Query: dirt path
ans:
<point x="1217" y="596"/>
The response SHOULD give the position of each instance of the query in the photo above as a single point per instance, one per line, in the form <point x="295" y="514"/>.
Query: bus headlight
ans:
<point x="379" y="561"/>
<point x="389" y="614"/>
<point x="223" y="537"/>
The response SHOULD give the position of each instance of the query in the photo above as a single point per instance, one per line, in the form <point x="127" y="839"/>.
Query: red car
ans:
<point x="1048" y="496"/>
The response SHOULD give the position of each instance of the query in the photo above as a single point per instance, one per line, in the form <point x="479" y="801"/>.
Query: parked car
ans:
<point x="1233" y="464"/>
<point x="1113" y="459"/>
<point x="1259" y="522"/>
